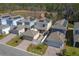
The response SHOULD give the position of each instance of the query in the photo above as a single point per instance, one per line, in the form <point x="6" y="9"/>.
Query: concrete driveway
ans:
<point x="51" y="51"/>
<point x="7" y="38"/>
<point x="24" y="44"/>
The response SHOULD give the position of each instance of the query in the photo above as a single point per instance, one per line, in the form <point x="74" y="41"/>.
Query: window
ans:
<point x="77" y="32"/>
<point x="27" y="23"/>
<point x="41" y="20"/>
<point x="43" y="25"/>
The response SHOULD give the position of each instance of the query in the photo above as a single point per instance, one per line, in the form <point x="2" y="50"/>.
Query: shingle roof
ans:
<point x="19" y="27"/>
<point x="56" y="37"/>
<point x="60" y="24"/>
<point x="30" y="33"/>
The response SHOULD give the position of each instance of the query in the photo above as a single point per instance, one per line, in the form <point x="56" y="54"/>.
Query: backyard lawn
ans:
<point x="15" y="41"/>
<point x="39" y="49"/>
<point x="2" y="36"/>
<point x="71" y="51"/>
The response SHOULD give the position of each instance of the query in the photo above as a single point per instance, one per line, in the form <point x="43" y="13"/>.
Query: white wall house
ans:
<point x="60" y="25"/>
<point x="3" y="19"/>
<point x="19" y="30"/>
<point x="76" y="33"/>
<point x="13" y="20"/>
<point x="4" y="29"/>
<point x="29" y="22"/>
<point x="43" y="24"/>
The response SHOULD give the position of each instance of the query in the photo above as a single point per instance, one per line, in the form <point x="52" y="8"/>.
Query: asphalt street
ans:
<point x="9" y="51"/>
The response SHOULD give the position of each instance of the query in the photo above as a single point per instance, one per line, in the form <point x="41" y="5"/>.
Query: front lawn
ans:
<point x="38" y="49"/>
<point x="15" y="41"/>
<point x="2" y="36"/>
<point x="71" y="51"/>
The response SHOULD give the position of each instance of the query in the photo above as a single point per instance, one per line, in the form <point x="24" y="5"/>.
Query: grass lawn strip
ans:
<point x="71" y="51"/>
<point x="15" y="41"/>
<point x="38" y="49"/>
<point x="2" y="36"/>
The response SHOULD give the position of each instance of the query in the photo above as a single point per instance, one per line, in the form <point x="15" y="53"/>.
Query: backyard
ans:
<point x="69" y="49"/>
<point x="38" y="49"/>
<point x="15" y="41"/>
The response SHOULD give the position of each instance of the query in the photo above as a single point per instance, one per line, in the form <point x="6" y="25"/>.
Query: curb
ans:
<point x="20" y="49"/>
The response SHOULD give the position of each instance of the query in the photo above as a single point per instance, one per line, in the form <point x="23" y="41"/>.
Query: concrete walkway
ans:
<point x="7" y="38"/>
<point x="24" y="44"/>
<point x="51" y="51"/>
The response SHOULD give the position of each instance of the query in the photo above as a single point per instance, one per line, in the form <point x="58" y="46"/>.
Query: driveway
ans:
<point x="7" y="38"/>
<point x="51" y="51"/>
<point x="24" y="44"/>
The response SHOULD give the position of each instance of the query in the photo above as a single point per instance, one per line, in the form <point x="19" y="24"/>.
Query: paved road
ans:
<point x="10" y="51"/>
<point x="7" y="38"/>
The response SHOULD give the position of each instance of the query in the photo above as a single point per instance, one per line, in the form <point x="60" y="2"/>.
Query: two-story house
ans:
<point x="43" y="24"/>
<point x="76" y="33"/>
<point x="4" y="29"/>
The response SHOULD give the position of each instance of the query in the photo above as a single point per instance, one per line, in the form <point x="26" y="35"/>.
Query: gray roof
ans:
<point x="30" y="33"/>
<point x="56" y="37"/>
<point x="19" y="27"/>
<point x="61" y="24"/>
<point x="3" y="26"/>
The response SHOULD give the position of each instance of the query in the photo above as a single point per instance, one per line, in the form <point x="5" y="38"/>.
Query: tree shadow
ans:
<point x="69" y="37"/>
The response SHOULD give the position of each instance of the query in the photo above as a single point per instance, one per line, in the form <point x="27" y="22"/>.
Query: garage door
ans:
<point x="54" y="44"/>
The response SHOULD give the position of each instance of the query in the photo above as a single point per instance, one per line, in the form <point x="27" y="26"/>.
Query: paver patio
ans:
<point x="7" y="38"/>
<point x="24" y="44"/>
<point x="51" y="51"/>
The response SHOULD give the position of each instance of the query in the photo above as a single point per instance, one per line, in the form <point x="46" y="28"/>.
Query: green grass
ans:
<point x="2" y="36"/>
<point x="15" y="41"/>
<point x="38" y="49"/>
<point x="70" y="25"/>
<point x="71" y="51"/>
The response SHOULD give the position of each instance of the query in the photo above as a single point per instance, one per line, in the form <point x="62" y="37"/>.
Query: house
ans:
<point x="19" y="30"/>
<point x="76" y="33"/>
<point x="43" y="24"/>
<point x="3" y="19"/>
<point x="4" y="29"/>
<point x="14" y="19"/>
<point x="29" y="22"/>
<point x="60" y="25"/>
<point x="30" y="35"/>
<point x="21" y="22"/>
<point x="55" y="39"/>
